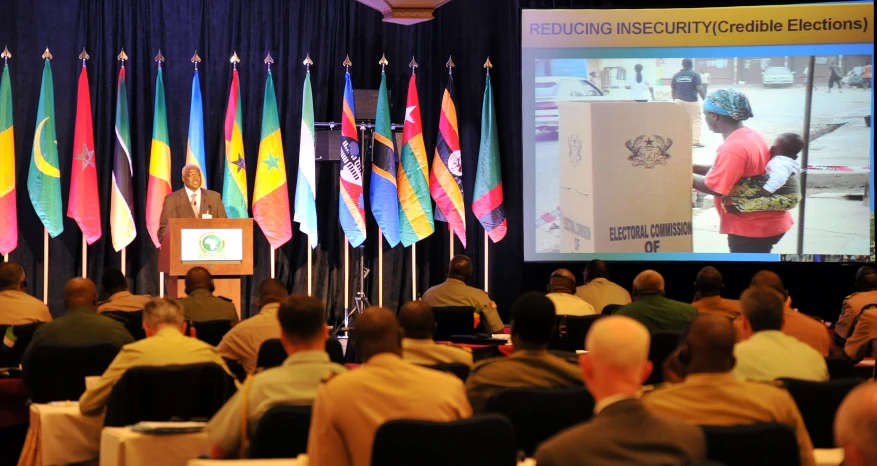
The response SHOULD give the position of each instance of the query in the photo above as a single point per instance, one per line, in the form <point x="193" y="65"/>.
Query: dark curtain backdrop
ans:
<point x="468" y="30"/>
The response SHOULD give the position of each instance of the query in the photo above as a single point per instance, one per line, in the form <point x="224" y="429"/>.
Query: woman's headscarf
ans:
<point x="730" y="102"/>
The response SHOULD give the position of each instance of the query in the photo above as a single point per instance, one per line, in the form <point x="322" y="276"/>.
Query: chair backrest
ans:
<point x="539" y="413"/>
<point x="335" y="350"/>
<point x="762" y="444"/>
<point x="570" y="332"/>
<point x="58" y="372"/>
<point x="11" y="357"/>
<point x="479" y="441"/>
<point x="610" y="309"/>
<point x="840" y="367"/>
<point x="272" y="354"/>
<point x="662" y="345"/>
<point x="160" y="393"/>
<point x="211" y="331"/>
<point x="818" y="403"/>
<point x="282" y="433"/>
<point x="457" y="368"/>
<point x="133" y="322"/>
<point x="453" y="320"/>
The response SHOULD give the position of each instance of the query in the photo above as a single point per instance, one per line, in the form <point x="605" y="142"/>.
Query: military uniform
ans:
<point x="124" y="301"/>
<point x="20" y="308"/>
<point x="718" y="305"/>
<point x="242" y="342"/>
<point x="600" y="293"/>
<point x="720" y="399"/>
<point x="771" y="354"/>
<point x="428" y="352"/>
<point x="570" y="305"/>
<point x="293" y="383"/>
<point x="861" y="343"/>
<point x="200" y="306"/>
<point x="454" y="292"/>
<point x="165" y="348"/>
<point x="660" y="314"/>
<point x="350" y="407"/>
<point x="807" y="329"/>
<point x="523" y="368"/>
<point x="852" y="306"/>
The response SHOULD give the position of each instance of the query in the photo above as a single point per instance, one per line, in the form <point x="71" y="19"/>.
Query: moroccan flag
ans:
<point x="234" y="183"/>
<point x="195" y="144"/>
<point x="351" y="204"/>
<point x="159" y="164"/>
<point x="270" y="197"/>
<point x="446" y="179"/>
<point x="487" y="198"/>
<point x="83" y="205"/>
<point x="8" y="211"/>
<point x="384" y="195"/>
<point x="122" y="227"/>
<point x="305" y="184"/>
<point x="44" y="178"/>
<point x="415" y="207"/>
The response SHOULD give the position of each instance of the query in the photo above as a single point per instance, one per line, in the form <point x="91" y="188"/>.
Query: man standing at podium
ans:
<point x="192" y="201"/>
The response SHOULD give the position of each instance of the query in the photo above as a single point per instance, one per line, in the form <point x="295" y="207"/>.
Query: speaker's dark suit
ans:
<point x="177" y="205"/>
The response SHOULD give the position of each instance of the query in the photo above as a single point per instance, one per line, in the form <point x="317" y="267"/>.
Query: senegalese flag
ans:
<point x="487" y="197"/>
<point x="159" y="164"/>
<point x="122" y="227"/>
<point x="446" y="178"/>
<point x="234" y="183"/>
<point x="270" y="197"/>
<point x="351" y="203"/>
<point x="195" y="144"/>
<point x="305" y="184"/>
<point x="44" y="178"/>
<point x="415" y="206"/>
<point x="83" y="204"/>
<point x="384" y="194"/>
<point x="8" y="210"/>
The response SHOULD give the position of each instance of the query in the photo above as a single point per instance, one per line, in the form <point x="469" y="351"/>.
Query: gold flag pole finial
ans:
<point x="347" y="63"/>
<point x="159" y="58"/>
<point x="412" y="65"/>
<point x="383" y="62"/>
<point x="234" y="60"/>
<point x="83" y="56"/>
<point x="47" y="55"/>
<point x="196" y="59"/>
<point x="450" y="64"/>
<point x="268" y="61"/>
<point x="308" y="62"/>
<point x="5" y="55"/>
<point x="488" y="65"/>
<point x="122" y="56"/>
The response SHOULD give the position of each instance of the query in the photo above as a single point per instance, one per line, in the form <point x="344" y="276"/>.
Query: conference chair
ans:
<point x="761" y="444"/>
<point x="570" y="332"/>
<point x="818" y="402"/>
<point x="479" y="441"/>
<point x="456" y="368"/>
<point x="11" y="357"/>
<point x="453" y="320"/>
<point x="662" y="345"/>
<point x="840" y="367"/>
<point x="281" y="433"/>
<point x="539" y="413"/>
<point x="610" y="309"/>
<point x="210" y="331"/>
<point x="133" y="322"/>
<point x="58" y="372"/>
<point x="271" y="353"/>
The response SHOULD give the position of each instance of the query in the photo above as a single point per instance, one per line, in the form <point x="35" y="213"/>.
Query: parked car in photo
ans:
<point x="553" y="89"/>
<point x="777" y="76"/>
<point x="854" y="79"/>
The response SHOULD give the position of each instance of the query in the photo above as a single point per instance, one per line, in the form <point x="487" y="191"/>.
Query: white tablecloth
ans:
<point x="828" y="456"/>
<point x="300" y="461"/>
<point x="121" y="446"/>
<point x="59" y="434"/>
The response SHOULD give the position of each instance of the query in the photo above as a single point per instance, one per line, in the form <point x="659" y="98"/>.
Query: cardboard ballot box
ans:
<point x="625" y="177"/>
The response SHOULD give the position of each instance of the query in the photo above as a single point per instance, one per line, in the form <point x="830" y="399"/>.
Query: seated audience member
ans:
<point x="455" y="292"/>
<point x="561" y="292"/>
<point x="651" y="308"/>
<point x="418" y="347"/>
<point x="767" y="353"/>
<point x="866" y="293"/>
<point x="303" y="335"/>
<point x="598" y="291"/>
<point x="164" y="345"/>
<point x="81" y="325"/>
<point x="242" y="342"/>
<point x="530" y="364"/>
<point x="861" y="344"/>
<point x="350" y="407"/>
<point x="795" y="324"/>
<point x="16" y="306"/>
<point x="200" y="305"/>
<point x="115" y="286"/>
<point x="855" y="429"/>
<point x="622" y="431"/>
<point x="712" y="395"/>
<point x="708" y="288"/>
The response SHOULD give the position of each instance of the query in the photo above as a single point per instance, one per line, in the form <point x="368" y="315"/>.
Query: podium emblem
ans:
<point x="211" y="244"/>
<point x="649" y="150"/>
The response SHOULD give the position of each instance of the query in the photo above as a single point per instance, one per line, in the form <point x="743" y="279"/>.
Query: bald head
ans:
<point x="617" y="361"/>
<point x="562" y="281"/>
<point x="271" y="290"/>
<point x="708" y="282"/>
<point x="769" y="279"/>
<point x="80" y="292"/>
<point x="855" y="425"/>
<point x="11" y="276"/>
<point x="709" y="345"/>
<point x="460" y="268"/>
<point x="376" y="331"/>
<point x="866" y="278"/>
<point x="198" y="278"/>
<point x="417" y="320"/>
<point x="596" y="269"/>
<point x="648" y="282"/>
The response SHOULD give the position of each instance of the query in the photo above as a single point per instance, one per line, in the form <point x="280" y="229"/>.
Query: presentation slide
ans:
<point x="720" y="134"/>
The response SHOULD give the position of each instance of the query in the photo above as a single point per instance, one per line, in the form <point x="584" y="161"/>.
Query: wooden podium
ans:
<point x="224" y="246"/>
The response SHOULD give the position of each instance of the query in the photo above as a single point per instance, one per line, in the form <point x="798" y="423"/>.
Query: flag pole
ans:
<point x="414" y="272"/>
<point x="486" y="263"/>
<point x="84" y="257"/>
<point x="346" y="281"/>
<point x="451" y="241"/>
<point x="161" y="284"/>
<point x="380" y="268"/>
<point x="45" y="265"/>
<point x="310" y="266"/>
<point x="272" y="261"/>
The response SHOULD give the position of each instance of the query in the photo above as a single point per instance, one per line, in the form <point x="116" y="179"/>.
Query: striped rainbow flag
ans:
<point x="234" y="183"/>
<point x="351" y="203"/>
<point x="446" y="178"/>
<point x="415" y="206"/>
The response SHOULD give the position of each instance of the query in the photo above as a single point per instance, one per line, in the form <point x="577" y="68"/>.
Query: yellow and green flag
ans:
<point x="8" y="212"/>
<point x="271" y="196"/>
<point x="412" y="177"/>
<point x="44" y="177"/>
<point x="159" y="164"/>
<point x="234" y="183"/>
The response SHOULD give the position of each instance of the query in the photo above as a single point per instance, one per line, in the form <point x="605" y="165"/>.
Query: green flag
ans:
<point x="44" y="178"/>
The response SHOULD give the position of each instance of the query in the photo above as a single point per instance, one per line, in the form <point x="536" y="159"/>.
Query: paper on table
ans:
<point x="165" y="425"/>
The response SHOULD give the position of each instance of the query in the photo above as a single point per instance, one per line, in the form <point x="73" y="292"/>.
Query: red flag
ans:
<point x="83" y="205"/>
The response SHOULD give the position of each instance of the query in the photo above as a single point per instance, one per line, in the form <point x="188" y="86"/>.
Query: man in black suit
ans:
<point x="184" y="203"/>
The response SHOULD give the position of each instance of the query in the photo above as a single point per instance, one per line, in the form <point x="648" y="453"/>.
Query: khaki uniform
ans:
<point x="570" y="305"/>
<point x="771" y="354"/>
<point x="852" y="306"/>
<point x="350" y="407"/>
<point x="124" y="301"/>
<point x="718" y="305"/>
<point x="861" y="343"/>
<point x="454" y="292"/>
<point x="242" y="342"/>
<point x="167" y="347"/>
<point x="428" y="352"/>
<point x="293" y="383"/>
<point x="201" y="305"/>
<point x="808" y="330"/>
<point x="720" y="399"/>
<point x="600" y="293"/>
<point x="20" y="308"/>
<point x="524" y="368"/>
